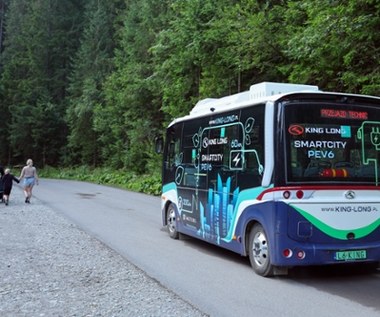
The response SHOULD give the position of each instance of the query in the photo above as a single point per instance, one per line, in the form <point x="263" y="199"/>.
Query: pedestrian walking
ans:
<point x="1" y="183"/>
<point x="7" y="181"/>
<point x="29" y="177"/>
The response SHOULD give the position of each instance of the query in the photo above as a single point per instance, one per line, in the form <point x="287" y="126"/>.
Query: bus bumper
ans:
<point x="313" y="254"/>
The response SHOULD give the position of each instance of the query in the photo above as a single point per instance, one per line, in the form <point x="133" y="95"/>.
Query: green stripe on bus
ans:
<point x="338" y="233"/>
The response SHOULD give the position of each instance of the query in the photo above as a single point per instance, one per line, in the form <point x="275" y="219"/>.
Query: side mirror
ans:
<point x="159" y="145"/>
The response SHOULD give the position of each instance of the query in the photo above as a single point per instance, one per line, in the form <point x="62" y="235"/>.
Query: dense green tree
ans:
<point x="3" y="8"/>
<point x="215" y="48"/>
<point x="131" y="117"/>
<point x="94" y="82"/>
<point x="12" y="70"/>
<point x="256" y="41"/>
<point x="35" y="67"/>
<point x="334" y="44"/>
<point x="92" y="64"/>
<point x="181" y="51"/>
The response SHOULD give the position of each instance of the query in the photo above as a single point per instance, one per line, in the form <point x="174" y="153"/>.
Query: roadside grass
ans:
<point x="148" y="183"/>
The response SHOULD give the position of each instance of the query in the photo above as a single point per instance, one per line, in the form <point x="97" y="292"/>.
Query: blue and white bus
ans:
<point x="285" y="174"/>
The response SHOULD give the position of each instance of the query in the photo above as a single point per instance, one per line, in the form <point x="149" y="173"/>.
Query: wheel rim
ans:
<point x="260" y="249"/>
<point x="171" y="221"/>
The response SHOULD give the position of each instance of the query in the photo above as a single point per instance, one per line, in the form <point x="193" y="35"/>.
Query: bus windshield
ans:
<point x="332" y="143"/>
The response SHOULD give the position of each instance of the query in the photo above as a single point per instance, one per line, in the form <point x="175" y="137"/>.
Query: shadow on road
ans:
<point x="359" y="283"/>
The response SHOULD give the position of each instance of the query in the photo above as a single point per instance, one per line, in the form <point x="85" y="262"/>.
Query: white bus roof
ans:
<point x="255" y="93"/>
<point x="258" y="93"/>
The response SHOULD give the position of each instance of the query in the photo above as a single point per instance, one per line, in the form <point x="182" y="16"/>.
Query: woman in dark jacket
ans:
<point x="7" y="180"/>
<point x="1" y="183"/>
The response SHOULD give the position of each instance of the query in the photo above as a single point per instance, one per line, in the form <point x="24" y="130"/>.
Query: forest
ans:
<point x="92" y="83"/>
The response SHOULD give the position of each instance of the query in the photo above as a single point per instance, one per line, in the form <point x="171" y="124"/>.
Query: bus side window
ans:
<point x="252" y="164"/>
<point x="173" y="155"/>
<point x="172" y="149"/>
<point x="253" y="168"/>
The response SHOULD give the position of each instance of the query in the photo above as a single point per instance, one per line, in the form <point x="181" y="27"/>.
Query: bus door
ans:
<point x="191" y="178"/>
<point x="220" y="154"/>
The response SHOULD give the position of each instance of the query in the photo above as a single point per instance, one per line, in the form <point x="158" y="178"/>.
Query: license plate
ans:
<point x="350" y="255"/>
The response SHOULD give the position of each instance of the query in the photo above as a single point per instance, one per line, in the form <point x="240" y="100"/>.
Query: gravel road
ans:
<point x="50" y="267"/>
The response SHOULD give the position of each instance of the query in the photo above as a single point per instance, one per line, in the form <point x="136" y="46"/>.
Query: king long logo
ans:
<point x="296" y="129"/>
<point x="349" y="194"/>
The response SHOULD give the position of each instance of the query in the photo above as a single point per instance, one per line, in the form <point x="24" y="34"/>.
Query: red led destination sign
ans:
<point x="344" y="114"/>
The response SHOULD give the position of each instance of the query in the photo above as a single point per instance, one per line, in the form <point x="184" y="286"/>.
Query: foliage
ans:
<point x="34" y="73"/>
<point x="131" y="117"/>
<point x="145" y="183"/>
<point x="97" y="83"/>
<point x="334" y="44"/>
<point x="92" y="64"/>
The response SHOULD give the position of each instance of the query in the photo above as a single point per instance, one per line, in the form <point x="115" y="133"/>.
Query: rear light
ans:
<point x="287" y="194"/>
<point x="287" y="253"/>
<point x="299" y="194"/>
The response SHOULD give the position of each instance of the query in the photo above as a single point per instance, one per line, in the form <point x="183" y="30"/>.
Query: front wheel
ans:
<point x="259" y="251"/>
<point x="171" y="222"/>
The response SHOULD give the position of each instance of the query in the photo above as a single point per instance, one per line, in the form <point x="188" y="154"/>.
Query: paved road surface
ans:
<point x="218" y="282"/>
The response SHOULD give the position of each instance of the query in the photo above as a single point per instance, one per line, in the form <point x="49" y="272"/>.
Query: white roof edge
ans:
<point x="255" y="93"/>
<point x="246" y="98"/>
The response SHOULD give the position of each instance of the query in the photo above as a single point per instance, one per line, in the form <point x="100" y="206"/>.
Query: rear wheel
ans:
<point x="259" y="251"/>
<point x="171" y="222"/>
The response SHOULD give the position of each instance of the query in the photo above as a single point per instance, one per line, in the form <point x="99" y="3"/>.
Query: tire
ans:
<point x="171" y="222"/>
<point x="259" y="251"/>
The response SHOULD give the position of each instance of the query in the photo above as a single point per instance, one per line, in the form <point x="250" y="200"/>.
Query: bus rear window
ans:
<point x="332" y="144"/>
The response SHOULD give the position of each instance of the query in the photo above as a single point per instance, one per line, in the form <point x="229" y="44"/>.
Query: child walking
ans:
<point x="7" y="180"/>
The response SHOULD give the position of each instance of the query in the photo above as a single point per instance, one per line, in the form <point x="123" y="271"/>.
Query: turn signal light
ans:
<point x="286" y="194"/>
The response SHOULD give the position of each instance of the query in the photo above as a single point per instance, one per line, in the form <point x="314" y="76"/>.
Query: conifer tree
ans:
<point x="131" y="116"/>
<point x="92" y="64"/>
<point x="40" y="38"/>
